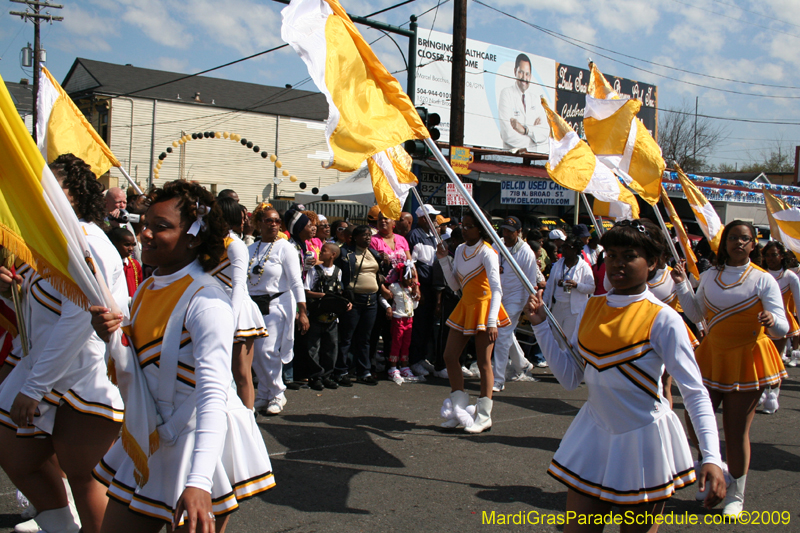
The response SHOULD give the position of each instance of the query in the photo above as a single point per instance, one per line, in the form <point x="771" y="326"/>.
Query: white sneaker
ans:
<point x="442" y="374"/>
<point x="408" y="376"/>
<point x="260" y="405"/>
<point x="542" y="364"/>
<point x="426" y="365"/>
<point x="523" y="377"/>
<point x="467" y="372"/>
<point x="419" y="370"/>
<point x="275" y="406"/>
<point x="475" y="370"/>
<point x="498" y="386"/>
<point x="394" y="375"/>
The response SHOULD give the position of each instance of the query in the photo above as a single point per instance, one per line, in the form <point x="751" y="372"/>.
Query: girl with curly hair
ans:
<point x="218" y="457"/>
<point x="61" y="392"/>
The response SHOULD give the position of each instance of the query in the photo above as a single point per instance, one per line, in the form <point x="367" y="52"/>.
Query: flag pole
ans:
<point x="501" y="247"/>
<point x="130" y="180"/>
<point x="598" y="225"/>
<point x="432" y="227"/>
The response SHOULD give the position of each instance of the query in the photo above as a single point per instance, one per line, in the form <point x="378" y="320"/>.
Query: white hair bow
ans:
<point x="199" y="224"/>
<point x="409" y="271"/>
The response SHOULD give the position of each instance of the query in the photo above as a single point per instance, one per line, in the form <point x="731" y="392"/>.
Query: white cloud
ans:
<point x="88" y="29"/>
<point x="153" y="17"/>
<point x="171" y="64"/>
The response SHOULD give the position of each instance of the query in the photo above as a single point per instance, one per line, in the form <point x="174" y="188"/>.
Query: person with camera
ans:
<point x="570" y="285"/>
<point x="274" y="279"/>
<point x="324" y="294"/>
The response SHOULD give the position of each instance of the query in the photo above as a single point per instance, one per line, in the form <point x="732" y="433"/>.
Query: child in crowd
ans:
<point x="401" y="284"/>
<point x="322" y="338"/>
<point x="125" y="243"/>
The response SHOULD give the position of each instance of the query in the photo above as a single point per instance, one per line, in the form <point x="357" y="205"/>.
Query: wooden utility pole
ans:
<point x="35" y="15"/>
<point x="458" y="73"/>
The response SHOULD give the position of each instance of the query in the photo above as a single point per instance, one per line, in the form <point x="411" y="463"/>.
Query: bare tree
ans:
<point x="778" y="157"/>
<point x="687" y="140"/>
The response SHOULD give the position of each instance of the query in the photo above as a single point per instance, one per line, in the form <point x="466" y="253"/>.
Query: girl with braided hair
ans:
<point x="182" y="328"/>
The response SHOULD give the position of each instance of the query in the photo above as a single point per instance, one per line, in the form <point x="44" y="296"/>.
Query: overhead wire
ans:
<point x="573" y="41"/>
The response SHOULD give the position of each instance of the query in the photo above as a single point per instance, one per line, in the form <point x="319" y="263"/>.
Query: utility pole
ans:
<point x="694" y="155"/>
<point x="458" y="73"/>
<point x="411" y="79"/>
<point x="35" y="15"/>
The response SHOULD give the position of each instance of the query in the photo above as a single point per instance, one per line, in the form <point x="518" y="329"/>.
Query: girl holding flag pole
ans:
<point x="207" y="454"/>
<point x="60" y="392"/>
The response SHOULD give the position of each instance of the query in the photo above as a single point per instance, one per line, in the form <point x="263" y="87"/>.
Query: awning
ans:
<point x="496" y="171"/>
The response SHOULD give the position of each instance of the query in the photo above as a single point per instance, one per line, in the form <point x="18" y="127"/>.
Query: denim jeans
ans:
<point x="355" y="328"/>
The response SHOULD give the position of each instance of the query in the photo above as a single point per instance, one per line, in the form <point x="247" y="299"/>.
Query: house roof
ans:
<point x="88" y="77"/>
<point x="22" y="95"/>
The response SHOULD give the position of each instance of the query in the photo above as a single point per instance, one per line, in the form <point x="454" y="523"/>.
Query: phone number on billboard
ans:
<point x="431" y="92"/>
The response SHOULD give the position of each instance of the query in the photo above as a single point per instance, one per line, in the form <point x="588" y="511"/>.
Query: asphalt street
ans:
<point x="374" y="459"/>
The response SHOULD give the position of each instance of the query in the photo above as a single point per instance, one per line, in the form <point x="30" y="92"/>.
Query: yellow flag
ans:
<point x="680" y="231"/>
<point x="63" y="129"/>
<point x="368" y="112"/>
<point x="573" y="165"/>
<point x="784" y="222"/>
<point x="391" y="180"/>
<point x="620" y="140"/>
<point x="705" y="214"/>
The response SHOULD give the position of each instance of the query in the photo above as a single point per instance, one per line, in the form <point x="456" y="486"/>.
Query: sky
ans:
<point x="682" y="46"/>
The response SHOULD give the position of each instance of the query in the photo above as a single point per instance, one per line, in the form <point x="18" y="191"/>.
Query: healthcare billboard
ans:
<point x="571" y="85"/>
<point x="502" y="95"/>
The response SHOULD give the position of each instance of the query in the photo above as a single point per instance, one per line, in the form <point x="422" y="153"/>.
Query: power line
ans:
<point x="737" y="19"/>
<point x="573" y="41"/>
<point x="389" y="8"/>
<point x="757" y="14"/>
<point x="205" y="71"/>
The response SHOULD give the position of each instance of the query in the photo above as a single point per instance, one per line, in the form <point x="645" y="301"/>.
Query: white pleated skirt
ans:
<point x="250" y="323"/>
<point x="243" y="470"/>
<point x="644" y="465"/>
<point x="85" y="387"/>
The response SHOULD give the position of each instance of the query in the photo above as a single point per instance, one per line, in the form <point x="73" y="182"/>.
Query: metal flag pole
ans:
<point x="130" y="180"/>
<point x="433" y="228"/>
<point x="598" y="221"/>
<point x="501" y="247"/>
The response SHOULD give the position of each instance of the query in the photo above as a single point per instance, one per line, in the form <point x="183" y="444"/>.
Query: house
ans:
<point x="22" y="95"/>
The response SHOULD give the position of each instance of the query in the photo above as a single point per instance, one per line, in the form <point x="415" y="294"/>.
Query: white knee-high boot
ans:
<point x="483" y="417"/>
<point x="58" y="521"/>
<point x="734" y="499"/>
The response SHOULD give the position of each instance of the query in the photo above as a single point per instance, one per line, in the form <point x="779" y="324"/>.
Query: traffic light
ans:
<point x="431" y="120"/>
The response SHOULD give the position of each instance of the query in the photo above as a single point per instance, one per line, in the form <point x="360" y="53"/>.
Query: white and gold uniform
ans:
<point x="789" y="284"/>
<point x="736" y="354"/>
<point x="475" y="271"/>
<point x="66" y="361"/>
<point x="663" y="287"/>
<point x="219" y="448"/>
<point x="232" y="274"/>
<point x="626" y="445"/>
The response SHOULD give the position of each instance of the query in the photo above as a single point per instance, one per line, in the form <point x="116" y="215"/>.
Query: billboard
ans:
<point x="502" y="94"/>
<point x="571" y="85"/>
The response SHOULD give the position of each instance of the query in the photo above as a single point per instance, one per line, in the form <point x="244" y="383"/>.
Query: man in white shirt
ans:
<point x="515" y="296"/>
<point x="523" y="124"/>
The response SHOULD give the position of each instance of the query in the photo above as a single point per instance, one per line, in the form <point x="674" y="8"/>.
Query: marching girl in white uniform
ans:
<point x="476" y="272"/>
<point x="274" y="279"/>
<point x="232" y="273"/>
<point x="60" y="391"/>
<point x="776" y="262"/>
<point x="182" y="330"/>
<point x="739" y="301"/>
<point x="626" y="447"/>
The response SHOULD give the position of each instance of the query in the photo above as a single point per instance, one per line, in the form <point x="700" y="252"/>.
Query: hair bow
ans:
<point x="199" y="224"/>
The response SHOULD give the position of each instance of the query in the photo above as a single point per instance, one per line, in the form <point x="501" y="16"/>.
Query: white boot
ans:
<point x="734" y="499"/>
<point x="795" y="358"/>
<point x="456" y="412"/>
<point x="58" y="521"/>
<point x="29" y="526"/>
<point x="483" y="416"/>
